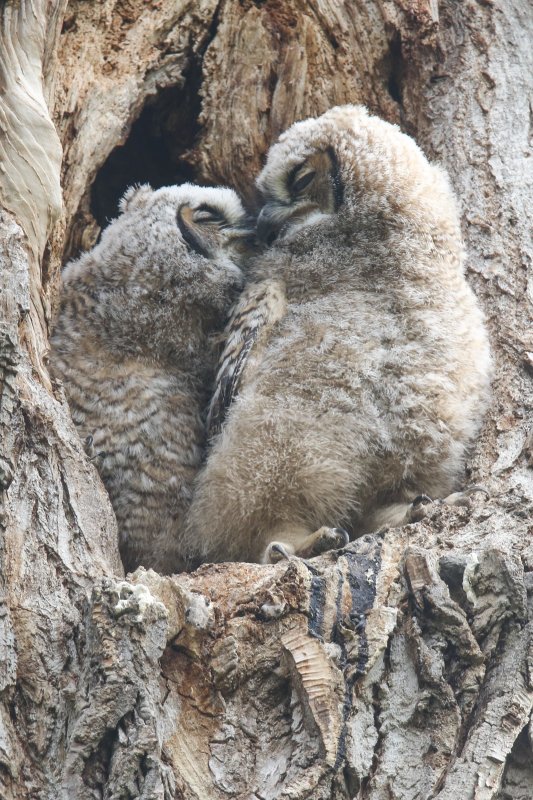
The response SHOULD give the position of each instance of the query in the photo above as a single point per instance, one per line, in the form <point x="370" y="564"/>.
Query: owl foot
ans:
<point x="88" y="446"/>
<point x="323" y="539"/>
<point x="463" y="498"/>
<point x="418" y="509"/>
<point x="422" y="504"/>
<point x="276" y="551"/>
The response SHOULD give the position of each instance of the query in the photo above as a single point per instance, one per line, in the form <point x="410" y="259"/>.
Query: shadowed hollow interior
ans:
<point x="155" y="151"/>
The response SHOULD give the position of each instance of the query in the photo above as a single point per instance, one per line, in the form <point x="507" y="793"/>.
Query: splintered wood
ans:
<point x="381" y="663"/>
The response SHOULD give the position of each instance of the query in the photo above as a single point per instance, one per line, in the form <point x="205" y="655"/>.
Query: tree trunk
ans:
<point x="398" y="669"/>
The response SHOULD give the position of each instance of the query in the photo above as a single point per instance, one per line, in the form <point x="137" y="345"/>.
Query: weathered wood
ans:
<point x="399" y="668"/>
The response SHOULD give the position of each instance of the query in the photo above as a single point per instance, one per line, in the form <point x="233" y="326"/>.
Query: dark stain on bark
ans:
<point x="316" y="606"/>
<point x="361" y="574"/>
<point x="395" y="68"/>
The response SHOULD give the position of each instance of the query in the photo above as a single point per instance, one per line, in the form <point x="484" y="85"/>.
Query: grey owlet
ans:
<point x="357" y="364"/>
<point x="134" y="347"/>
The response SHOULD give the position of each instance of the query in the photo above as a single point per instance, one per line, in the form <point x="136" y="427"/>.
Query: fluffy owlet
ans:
<point x="134" y="347"/>
<point x="356" y="369"/>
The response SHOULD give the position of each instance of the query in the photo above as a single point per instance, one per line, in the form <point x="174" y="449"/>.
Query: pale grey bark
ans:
<point x="400" y="669"/>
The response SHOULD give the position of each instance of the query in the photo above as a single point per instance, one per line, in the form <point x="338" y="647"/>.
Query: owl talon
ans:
<point x="421" y="500"/>
<point x="344" y="537"/>
<point x="276" y="552"/>
<point x="88" y="446"/>
<point x="418" y="509"/>
<point x="464" y="498"/>
<point x="321" y="541"/>
<point x="476" y="488"/>
<point x="313" y="545"/>
<point x="422" y="504"/>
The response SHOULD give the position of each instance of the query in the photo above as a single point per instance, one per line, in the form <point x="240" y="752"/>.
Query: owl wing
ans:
<point x="259" y="307"/>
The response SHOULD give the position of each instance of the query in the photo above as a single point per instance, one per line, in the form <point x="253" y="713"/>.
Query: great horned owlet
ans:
<point x="356" y="369"/>
<point x="133" y="346"/>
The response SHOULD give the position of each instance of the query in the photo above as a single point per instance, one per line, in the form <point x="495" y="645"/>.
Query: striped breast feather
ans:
<point x="258" y="309"/>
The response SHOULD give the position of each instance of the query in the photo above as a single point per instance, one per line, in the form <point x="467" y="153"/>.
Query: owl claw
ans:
<point x="422" y="500"/>
<point x="88" y="446"/>
<point x="344" y="536"/>
<point x="463" y="498"/>
<point x="323" y="540"/>
<point x="313" y="545"/>
<point x="276" y="552"/>
<point x="422" y="504"/>
<point x="418" y="508"/>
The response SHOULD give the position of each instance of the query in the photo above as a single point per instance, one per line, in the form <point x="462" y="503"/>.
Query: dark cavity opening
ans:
<point x="396" y="69"/>
<point x="155" y="152"/>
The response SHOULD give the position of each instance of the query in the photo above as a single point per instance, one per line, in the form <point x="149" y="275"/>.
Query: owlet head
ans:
<point x="335" y="164"/>
<point x="183" y="242"/>
<point x="212" y="222"/>
<point x="203" y="222"/>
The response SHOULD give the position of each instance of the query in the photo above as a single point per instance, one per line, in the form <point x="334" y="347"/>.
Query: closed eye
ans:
<point x="207" y="214"/>
<point x="303" y="181"/>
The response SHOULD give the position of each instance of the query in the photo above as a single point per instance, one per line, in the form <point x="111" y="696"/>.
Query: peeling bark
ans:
<point x="398" y="669"/>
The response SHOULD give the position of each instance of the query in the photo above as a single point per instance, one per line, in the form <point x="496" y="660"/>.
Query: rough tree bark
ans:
<point x="399" y="669"/>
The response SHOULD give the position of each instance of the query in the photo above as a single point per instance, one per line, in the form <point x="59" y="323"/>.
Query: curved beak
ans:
<point x="243" y="239"/>
<point x="245" y="231"/>
<point x="276" y="217"/>
<point x="270" y="221"/>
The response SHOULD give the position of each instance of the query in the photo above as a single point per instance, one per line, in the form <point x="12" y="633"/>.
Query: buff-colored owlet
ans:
<point x="356" y="370"/>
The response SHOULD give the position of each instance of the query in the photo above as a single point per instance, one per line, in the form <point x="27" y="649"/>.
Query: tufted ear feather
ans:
<point x="135" y="196"/>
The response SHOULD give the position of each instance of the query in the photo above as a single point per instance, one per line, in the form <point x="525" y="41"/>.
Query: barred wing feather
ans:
<point x="258" y="309"/>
